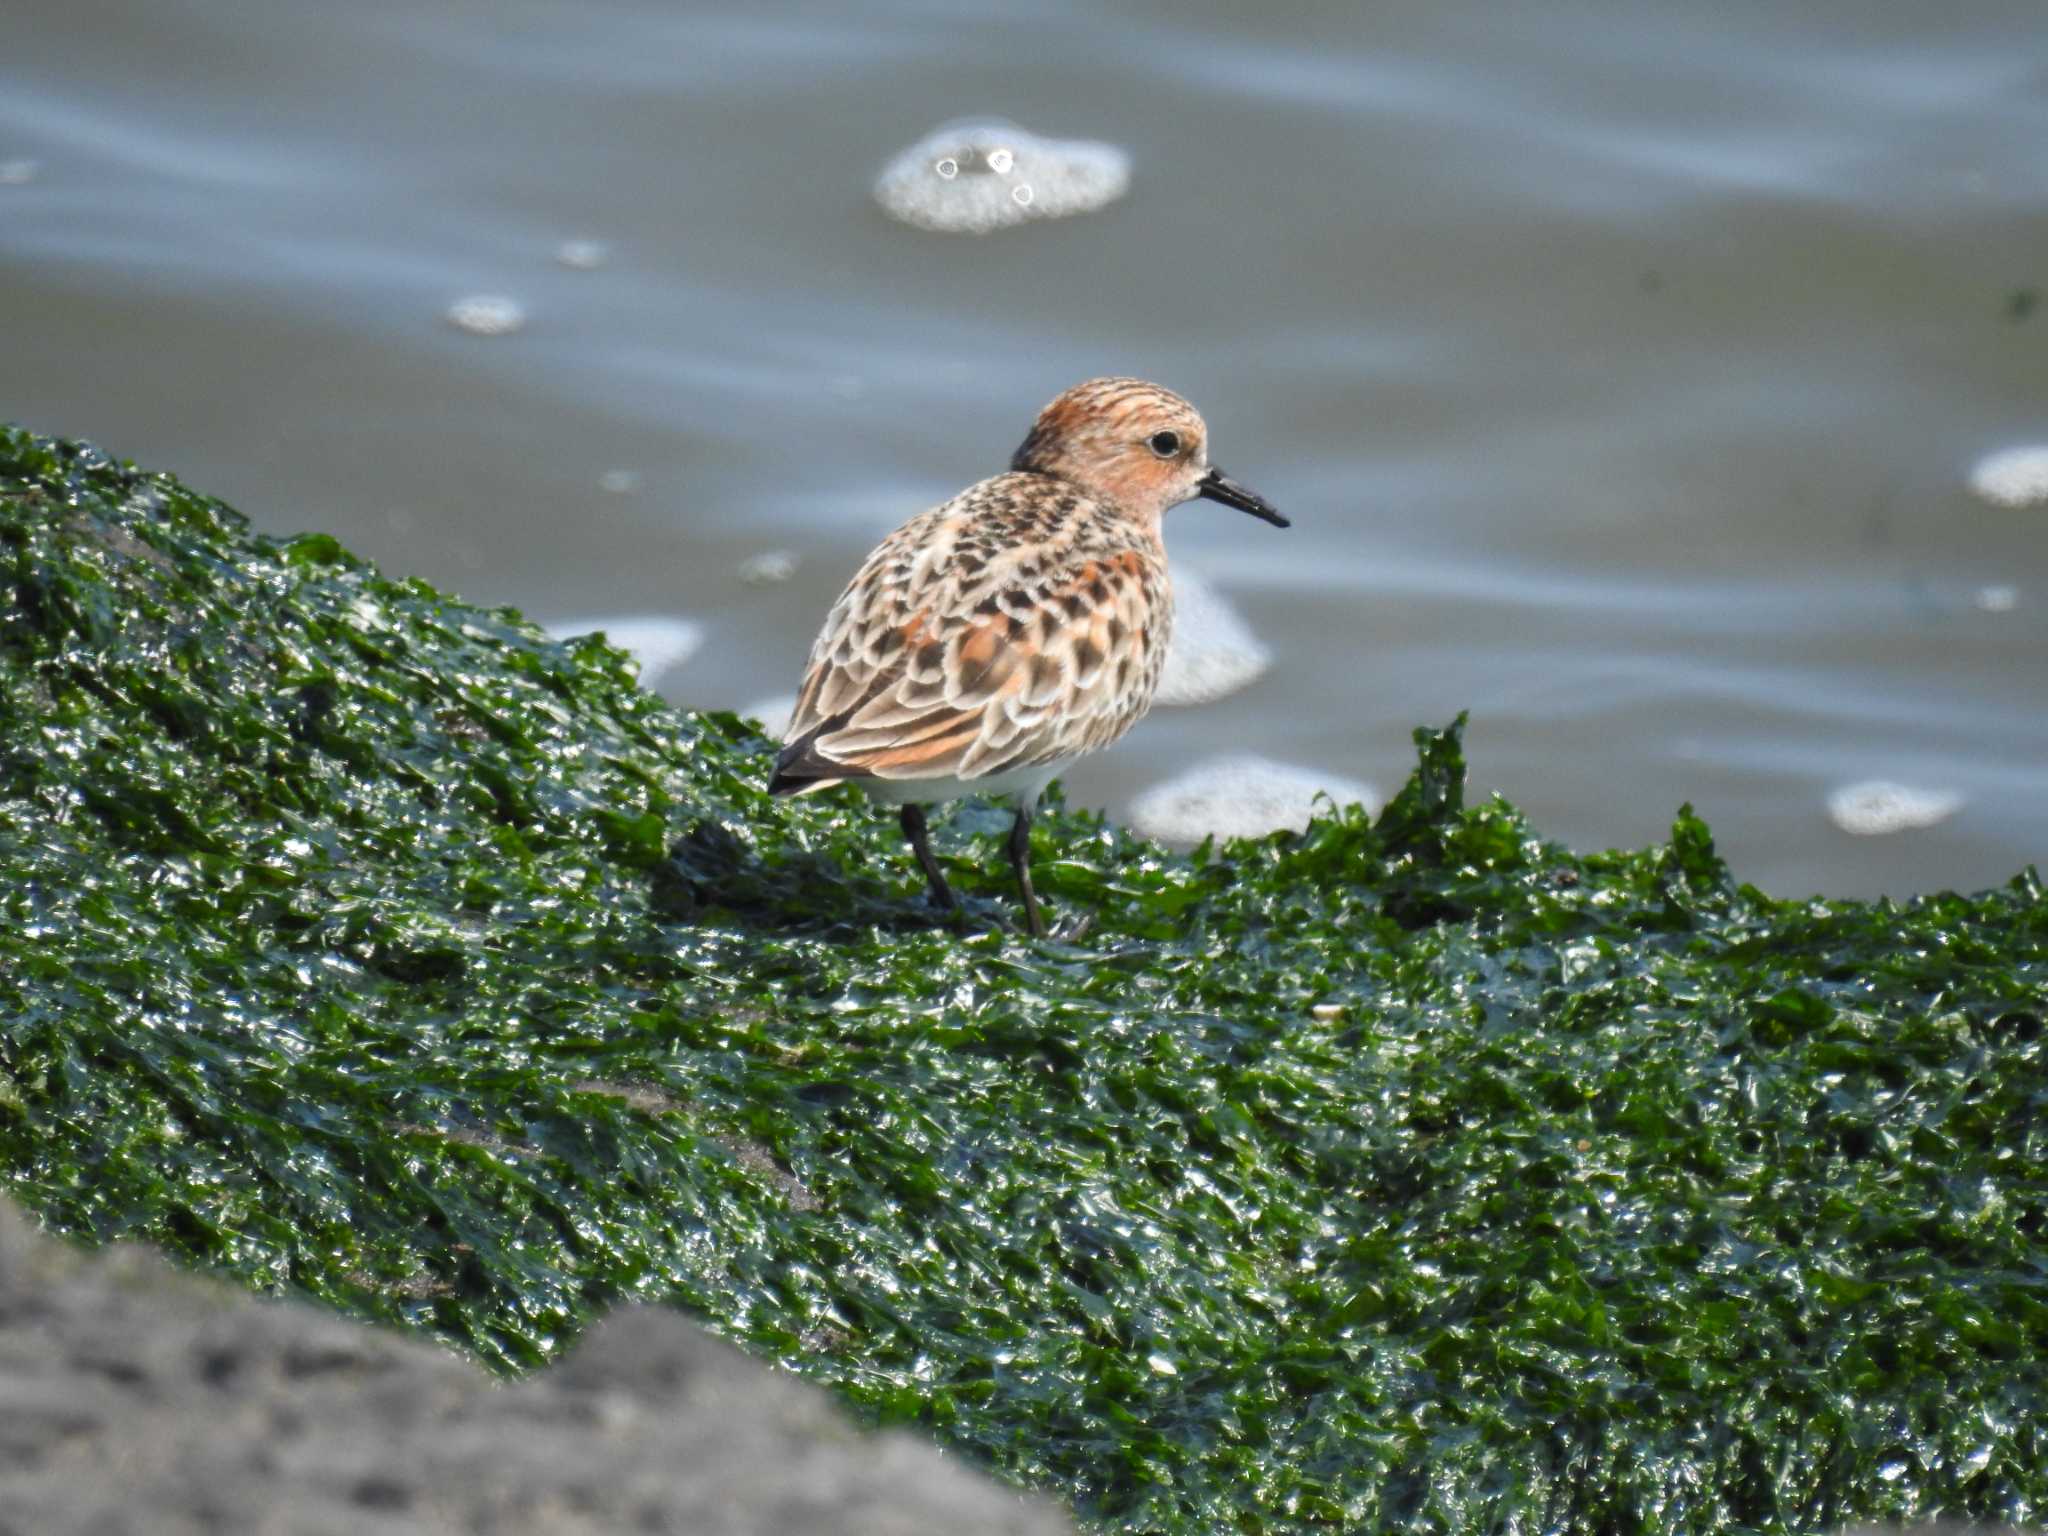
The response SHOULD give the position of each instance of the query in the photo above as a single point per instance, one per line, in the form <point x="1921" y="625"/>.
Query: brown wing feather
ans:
<point x="961" y="651"/>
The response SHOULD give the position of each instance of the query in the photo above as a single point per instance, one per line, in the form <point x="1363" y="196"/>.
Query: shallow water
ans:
<point x="1623" y="369"/>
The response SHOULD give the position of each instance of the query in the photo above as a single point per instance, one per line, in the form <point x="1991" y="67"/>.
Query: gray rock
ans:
<point x="136" y="1398"/>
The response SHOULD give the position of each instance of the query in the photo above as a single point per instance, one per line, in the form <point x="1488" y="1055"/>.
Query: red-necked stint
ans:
<point x="989" y="642"/>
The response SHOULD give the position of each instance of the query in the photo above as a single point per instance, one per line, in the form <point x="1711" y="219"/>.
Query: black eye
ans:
<point x="1165" y="444"/>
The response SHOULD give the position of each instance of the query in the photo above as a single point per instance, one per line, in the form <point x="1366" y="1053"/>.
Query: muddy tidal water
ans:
<point x="1624" y="368"/>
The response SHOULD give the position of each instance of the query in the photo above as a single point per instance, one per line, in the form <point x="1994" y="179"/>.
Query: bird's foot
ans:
<point x="1074" y="929"/>
<point x="1067" y="931"/>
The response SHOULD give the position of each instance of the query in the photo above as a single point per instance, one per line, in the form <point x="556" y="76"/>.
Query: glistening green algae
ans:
<point x="1410" y="1176"/>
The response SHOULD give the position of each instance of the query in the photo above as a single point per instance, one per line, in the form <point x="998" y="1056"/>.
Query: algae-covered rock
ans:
<point x="1409" y="1174"/>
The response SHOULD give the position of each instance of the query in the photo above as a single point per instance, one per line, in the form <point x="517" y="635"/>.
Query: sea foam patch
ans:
<point x="1996" y="599"/>
<point x="1213" y="651"/>
<point x="582" y="255"/>
<point x="1874" y="807"/>
<point x="983" y="174"/>
<point x="657" y="641"/>
<point x="769" y="568"/>
<point x="2015" y="477"/>
<point x="1241" y="795"/>
<point x="487" y="314"/>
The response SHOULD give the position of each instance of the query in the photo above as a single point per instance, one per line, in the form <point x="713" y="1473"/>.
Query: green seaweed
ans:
<point x="1418" y="1175"/>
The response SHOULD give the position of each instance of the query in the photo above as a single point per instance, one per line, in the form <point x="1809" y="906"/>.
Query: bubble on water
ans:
<point x="773" y="712"/>
<point x="1241" y="796"/>
<point x="582" y="255"/>
<point x="619" y="482"/>
<point x="1997" y="599"/>
<point x="768" y="568"/>
<point x="487" y="314"/>
<point x="1213" y="651"/>
<point x="1874" y="807"/>
<point x="18" y="173"/>
<point x="2016" y="477"/>
<point x="979" y="175"/>
<point x="657" y="641"/>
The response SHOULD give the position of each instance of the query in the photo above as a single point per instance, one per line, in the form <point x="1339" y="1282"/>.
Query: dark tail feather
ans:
<point x="800" y="765"/>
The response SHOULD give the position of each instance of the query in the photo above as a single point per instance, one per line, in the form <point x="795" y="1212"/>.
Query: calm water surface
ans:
<point x="1621" y="366"/>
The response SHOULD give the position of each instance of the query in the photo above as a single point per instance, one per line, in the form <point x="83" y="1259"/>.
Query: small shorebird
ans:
<point x="990" y="641"/>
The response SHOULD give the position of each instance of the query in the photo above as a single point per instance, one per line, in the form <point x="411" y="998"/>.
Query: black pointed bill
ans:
<point x="1217" y="486"/>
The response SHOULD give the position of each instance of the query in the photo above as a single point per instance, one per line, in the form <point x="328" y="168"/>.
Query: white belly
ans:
<point x="1025" y="783"/>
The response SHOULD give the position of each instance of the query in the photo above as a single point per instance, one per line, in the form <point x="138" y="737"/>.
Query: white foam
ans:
<point x="18" y="173"/>
<point x="768" y="568"/>
<point x="487" y="314"/>
<point x="772" y="712"/>
<point x="2016" y="477"/>
<point x="619" y="482"/>
<point x="1214" y="651"/>
<point x="657" y="641"/>
<point x="1874" y="807"/>
<point x="582" y="255"/>
<point x="1241" y="795"/>
<point x="983" y="174"/>
<point x="1999" y="599"/>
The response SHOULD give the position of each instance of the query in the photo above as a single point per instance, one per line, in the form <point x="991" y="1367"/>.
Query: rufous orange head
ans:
<point x="1134" y="446"/>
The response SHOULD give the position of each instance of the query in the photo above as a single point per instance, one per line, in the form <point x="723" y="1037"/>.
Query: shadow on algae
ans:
<point x="1420" y="1175"/>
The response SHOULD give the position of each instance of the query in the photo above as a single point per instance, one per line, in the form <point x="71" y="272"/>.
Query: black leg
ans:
<point x="1020" y="859"/>
<point x="920" y="844"/>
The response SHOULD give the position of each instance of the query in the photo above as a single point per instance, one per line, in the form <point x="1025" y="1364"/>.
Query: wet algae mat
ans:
<point x="1418" y="1175"/>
